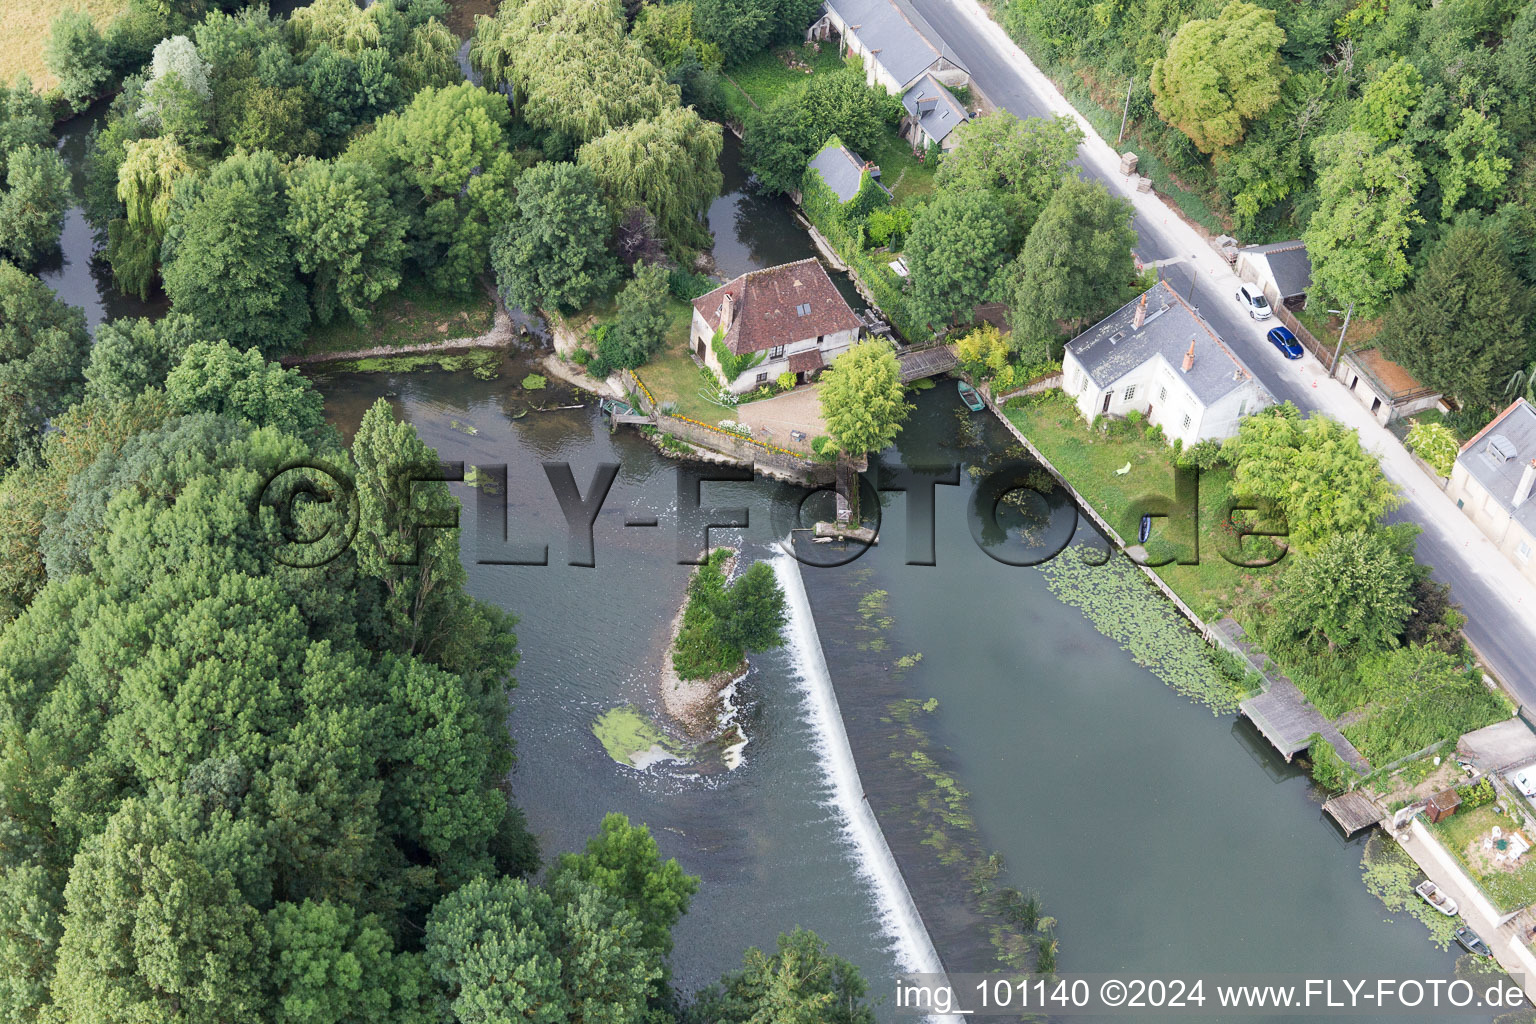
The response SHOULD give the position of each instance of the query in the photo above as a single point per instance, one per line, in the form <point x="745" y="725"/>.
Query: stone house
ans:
<point x="933" y="114"/>
<point x="785" y="319"/>
<point x="1493" y="480"/>
<point x="895" y="42"/>
<point x="1156" y="356"/>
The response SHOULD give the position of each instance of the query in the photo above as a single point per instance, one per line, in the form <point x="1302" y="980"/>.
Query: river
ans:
<point x="1161" y="838"/>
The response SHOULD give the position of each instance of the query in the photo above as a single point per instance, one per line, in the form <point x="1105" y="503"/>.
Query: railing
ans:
<point x="738" y="445"/>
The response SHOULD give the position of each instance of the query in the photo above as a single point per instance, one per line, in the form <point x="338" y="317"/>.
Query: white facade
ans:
<point x="774" y="361"/>
<point x="1514" y="541"/>
<point x="1157" y="390"/>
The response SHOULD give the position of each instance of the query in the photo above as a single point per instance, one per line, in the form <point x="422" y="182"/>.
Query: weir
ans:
<point x="899" y="915"/>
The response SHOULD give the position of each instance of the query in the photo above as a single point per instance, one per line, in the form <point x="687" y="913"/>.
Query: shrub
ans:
<point x="581" y="357"/>
<point x="687" y="285"/>
<point x="1435" y="444"/>
<point x="1476" y="794"/>
<point x="824" y="447"/>
<point x="1134" y="417"/>
<point x="1328" y="768"/>
<point x="786" y="381"/>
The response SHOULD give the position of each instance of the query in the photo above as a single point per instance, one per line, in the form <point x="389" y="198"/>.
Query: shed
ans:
<point x="1282" y="269"/>
<point x="1442" y="805"/>
<point x="1383" y="387"/>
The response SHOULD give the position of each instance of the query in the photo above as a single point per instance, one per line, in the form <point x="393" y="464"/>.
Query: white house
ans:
<point x="895" y="42"/>
<point x="1155" y="355"/>
<point x="785" y="319"/>
<point x="1493" y="481"/>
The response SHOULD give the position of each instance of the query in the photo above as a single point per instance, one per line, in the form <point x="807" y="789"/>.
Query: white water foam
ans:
<point x="899" y="916"/>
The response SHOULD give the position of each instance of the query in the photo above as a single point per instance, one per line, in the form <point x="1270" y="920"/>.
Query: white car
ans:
<point x="1254" y="302"/>
<point x="1526" y="780"/>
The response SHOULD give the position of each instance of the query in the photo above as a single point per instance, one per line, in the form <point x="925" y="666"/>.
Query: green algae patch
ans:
<point x="633" y="739"/>
<point x="483" y="363"/>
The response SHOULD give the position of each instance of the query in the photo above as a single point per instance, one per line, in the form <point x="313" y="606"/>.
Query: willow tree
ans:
<point x="144" y="181"/>
<point x="571" y="65"/>
<point x="670" y="164"/>
<point x="863" y="401"/>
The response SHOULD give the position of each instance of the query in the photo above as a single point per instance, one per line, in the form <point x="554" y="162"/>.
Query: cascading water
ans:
<point x="899" y="916"/>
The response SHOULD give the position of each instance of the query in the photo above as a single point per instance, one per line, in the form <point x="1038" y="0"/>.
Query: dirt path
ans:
<point x="500" y="335"/>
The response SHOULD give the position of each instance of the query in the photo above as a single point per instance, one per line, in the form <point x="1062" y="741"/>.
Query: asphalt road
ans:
<point x="1499" y="604"/>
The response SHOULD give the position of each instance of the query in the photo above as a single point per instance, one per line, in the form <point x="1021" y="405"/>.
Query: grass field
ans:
<point x="24" y="27"/>
<point x="413" y="315"/>
<point x="1089" y="460"/>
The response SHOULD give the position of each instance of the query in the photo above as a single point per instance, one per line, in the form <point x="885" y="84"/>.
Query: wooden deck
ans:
<point x="1282" y="713"/>
<point x="1353" y="811"/>
<point x="927" y="362"/>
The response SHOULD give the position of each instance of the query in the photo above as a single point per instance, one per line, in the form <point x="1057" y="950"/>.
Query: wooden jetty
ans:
<point x="1353" y="811"/>
<point x="926" y="362"/>
<point x="1282" y="712"/>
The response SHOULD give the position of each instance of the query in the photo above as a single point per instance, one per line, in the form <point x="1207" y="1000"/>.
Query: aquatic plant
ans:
<point x="1390" y="875"/>
<point x="534" y="382"/>
<point x="1123" y="606"/>
<point x="626" y="732"/>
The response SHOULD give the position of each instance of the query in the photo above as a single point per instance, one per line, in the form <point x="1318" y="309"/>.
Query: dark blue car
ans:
<point x="1285" y="341"/>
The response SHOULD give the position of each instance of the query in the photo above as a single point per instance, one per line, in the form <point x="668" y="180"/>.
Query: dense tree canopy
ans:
<point x="32" y="204"/>
<point x="1462" y="327"/>
<point x="958" y="248"/>
<point x="226" y="258"/>
<point x="1022" y="161"/>
<point x="670" y="165"/>
<point x="1076" y="265"/>
<point x="862" y="399"/>
<point x="77" y="55"/>
<point x="1219" y="73"/>
<point x="348" y="237"/>
<point x="1314" y="469"/>
<point x="1353" y="591"/>
<point x="43" y="349"/>
<point x="554" y="249"/>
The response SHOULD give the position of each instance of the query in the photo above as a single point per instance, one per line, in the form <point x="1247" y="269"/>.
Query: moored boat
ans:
<point x="1430" y="893"/>
<point x="971" y="397"/>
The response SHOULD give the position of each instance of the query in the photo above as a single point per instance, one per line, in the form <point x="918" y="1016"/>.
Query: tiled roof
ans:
<point x="808" y="361"/>
<point x="1115" y="347"/>
<point x="778" y="306"/>
<point x="935" y="107"/>
<point x="900" y="38"/>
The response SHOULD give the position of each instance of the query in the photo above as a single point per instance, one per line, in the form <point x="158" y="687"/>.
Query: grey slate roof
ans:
<point x="1497" y="457"/>
<point x="1288" y="265"/>
<point x="840" y="168"/>
<point x="1113" y="347"/>
<point x="935" y="107"/>
<point x="907" y="45"/>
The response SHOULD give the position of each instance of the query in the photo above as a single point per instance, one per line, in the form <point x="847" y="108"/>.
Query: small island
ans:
<point x="721" y="622"/>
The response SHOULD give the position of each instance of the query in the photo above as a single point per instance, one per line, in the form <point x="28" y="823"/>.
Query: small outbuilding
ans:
<point x="1383" y="387"/>
<point x="1442" y="805"/>
<point x="1282" y="269"/>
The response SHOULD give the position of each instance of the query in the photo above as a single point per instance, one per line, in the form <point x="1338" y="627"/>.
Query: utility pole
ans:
<point x="1125" y="116"/>
<point x="1339" y="349"/>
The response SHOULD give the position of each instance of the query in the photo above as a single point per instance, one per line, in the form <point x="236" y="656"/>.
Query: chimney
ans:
<point x="1527" y="481"/>
<point x="1189" y="357"/>
<point x="727" y="312"/>
<point x="1141" y="313"/>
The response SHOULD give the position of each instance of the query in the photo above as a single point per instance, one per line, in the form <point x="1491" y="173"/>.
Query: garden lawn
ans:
<point x="765" y="77"/>
<point x="25" y="26"/>
<point x="414" y="315"/>
<point x="1508" y="889"/>
<point x="673" y="376"/>
<point x="1088" y="459"/>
